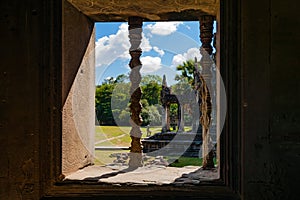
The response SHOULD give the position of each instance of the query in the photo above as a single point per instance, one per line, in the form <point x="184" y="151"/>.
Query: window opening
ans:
<point x="176" y="103"/>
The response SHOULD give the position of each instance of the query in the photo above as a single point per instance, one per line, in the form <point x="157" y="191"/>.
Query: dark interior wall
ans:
<point x="271" y="122"/>
<point x="21" y="53"/>
<point x="285" y="96"/>
<point x="256" y="97"/>
<point x="25" y="87"/>
<point x="270" y="77"/>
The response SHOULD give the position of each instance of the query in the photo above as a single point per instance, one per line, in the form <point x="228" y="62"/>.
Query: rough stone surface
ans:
<point x="121" y="159"/>
<point x="108" y="10"/>
<point x="150" y="174"/>
<point x="79" y="107"/>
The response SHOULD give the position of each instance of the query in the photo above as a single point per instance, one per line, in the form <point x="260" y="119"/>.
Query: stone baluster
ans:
<point x="206" y="62"/>
<point x="135" y="38"/>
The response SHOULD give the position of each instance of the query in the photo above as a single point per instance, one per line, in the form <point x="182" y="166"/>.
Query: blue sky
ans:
<point x="165" y="45"/>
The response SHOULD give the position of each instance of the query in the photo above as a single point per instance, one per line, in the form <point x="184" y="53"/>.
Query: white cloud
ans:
<point x="145" y="45"/>
<point x="112" y="47"/>
<point x="159" y="51"/>
<point x="163" y="28"/>
<point x="189" y="55"/>
<point x="150" y="64"/>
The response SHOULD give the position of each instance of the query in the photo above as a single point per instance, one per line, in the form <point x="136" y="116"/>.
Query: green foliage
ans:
<point x="182" y="87"/>
<point x="103" y="103"/>
<point x="187" y="72"/>
<point x="188" y="120"/>
<point x="122" y="78"/>
<point x="173" y="114"/>
<point x="151" y="79"/>
<point x="144" y="103"/>
<point x="112" y="100"/>
<point x="151" y="87"/>
<point x="151" y="116"/>
<point x="120" y="97"/>
<point x="109" y="80"/>
<point x="154" y="115"/>
<point x="124" y="118"/>
<point x="186" y="80"/>
<point x="151" y="92"/>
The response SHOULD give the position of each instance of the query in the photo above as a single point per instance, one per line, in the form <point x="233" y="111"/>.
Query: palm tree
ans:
<point x="187" y="72"/>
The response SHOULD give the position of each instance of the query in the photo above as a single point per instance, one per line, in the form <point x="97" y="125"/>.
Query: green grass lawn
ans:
<point x="106" y="132"/>
<point x="185" y="161"/>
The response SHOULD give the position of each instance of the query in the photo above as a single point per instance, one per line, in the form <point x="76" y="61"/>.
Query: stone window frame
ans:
<point x="51" y="179"/>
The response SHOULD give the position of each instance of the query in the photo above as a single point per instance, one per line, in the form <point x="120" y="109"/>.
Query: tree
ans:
<point x="151" y="87"/>
<point x="154" y="115"/>
<point x="120" y="96"/>
<point x="144" y="112"/>
<point x="151" y="92"/>
<point x="182" y="87"/>
<point x="150" y="114"/>
<point x="151" y="78"/>
<point x="187" y="72"/>
<point x="103" y="103"/>
<point x="109" y="80"/>
<point x="122" y="78"/>
<point x="112" y="100"/>
<point x="124" y="117"/>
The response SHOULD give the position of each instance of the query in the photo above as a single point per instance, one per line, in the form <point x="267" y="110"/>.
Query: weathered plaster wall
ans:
<point x="79" y="107"/>
<point x="271" y="122"/>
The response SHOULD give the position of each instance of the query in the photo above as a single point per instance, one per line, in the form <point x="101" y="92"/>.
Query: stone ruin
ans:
<point x="175" y="143"/>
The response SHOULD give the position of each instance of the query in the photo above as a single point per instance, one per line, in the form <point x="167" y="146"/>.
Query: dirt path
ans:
<point x="109" y="139"/>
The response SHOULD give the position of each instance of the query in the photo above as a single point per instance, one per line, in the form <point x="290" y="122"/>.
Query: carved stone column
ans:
<point x="181" y="117"/>
<point x="163" y="100"/>
<point x="206" y="62"/>
<point x="168" y="119"/>
<point x="135" y="38"/>
<point x="164" y="119"/>
<point x="178" y="116"/>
